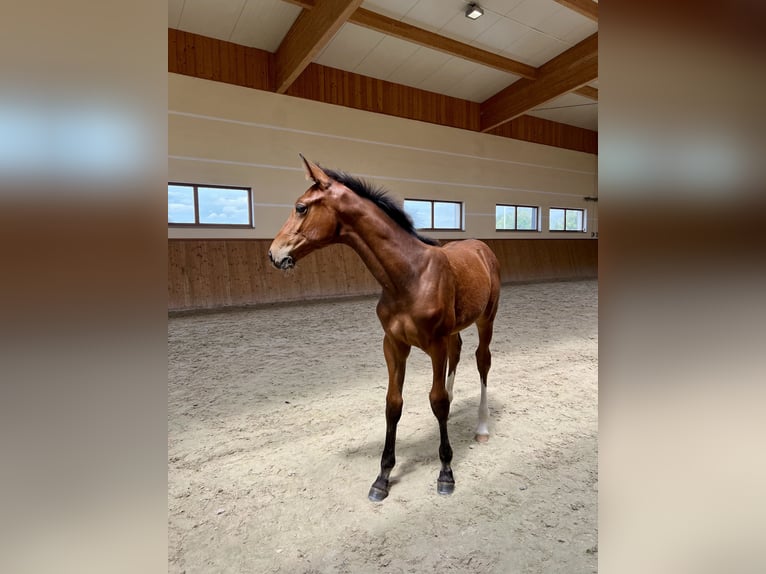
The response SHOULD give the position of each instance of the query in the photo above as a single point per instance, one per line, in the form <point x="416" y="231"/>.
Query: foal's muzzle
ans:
<point x="284" y="263"/>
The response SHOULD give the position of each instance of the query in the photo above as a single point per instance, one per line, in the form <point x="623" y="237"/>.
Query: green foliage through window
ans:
<point x="516" y="217"/>
<point x="565" y="219"/>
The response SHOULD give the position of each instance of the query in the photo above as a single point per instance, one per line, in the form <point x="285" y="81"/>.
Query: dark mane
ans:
<point x="380" y="197"/>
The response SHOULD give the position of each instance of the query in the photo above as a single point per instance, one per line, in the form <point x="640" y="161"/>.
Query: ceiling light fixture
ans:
<point x="473" y="11"/>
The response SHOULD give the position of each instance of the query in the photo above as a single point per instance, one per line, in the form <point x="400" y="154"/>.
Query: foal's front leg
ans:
<point x="396" y="359"/>
<point x="440" y="403"/>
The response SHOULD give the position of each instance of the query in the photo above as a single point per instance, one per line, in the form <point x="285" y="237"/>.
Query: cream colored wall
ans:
<point x="229" y="135"/>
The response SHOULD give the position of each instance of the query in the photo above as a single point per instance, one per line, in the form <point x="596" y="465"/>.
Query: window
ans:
<point x="432" y="215"/>
<point x="563" y="219"/>
<point x="209" y="205"/>
<point x="516" y="218"/>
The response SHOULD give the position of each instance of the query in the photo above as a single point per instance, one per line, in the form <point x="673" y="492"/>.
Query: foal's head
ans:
<point x="312" y="224"/>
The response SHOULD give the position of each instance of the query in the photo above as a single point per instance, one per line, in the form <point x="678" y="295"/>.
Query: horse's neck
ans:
<point x="393" y="256"/>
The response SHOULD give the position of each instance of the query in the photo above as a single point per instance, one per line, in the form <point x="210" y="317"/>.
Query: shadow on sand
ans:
<point x="414" y="452"/>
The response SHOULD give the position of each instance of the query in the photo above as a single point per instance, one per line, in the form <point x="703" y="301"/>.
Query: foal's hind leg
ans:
<point x="396" y="359"/>
<point x="453" y="354"/>
<point x="483" y="361"/>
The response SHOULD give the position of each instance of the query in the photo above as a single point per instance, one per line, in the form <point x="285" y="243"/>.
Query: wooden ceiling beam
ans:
<point x="403" y="31"/>
<point x="310" y="32"/>
<point x="587" y="91"/>
<point x="587" y="8"/>
<point x="564" y="73"/>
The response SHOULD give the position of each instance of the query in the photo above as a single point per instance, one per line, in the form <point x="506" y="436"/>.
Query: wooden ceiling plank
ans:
<point x="310" y="32"/>
<point x="588" y="92"/>
<point x="403" y="31"/>
<point x="564" y="73"/>
<point x="587" y="8"/>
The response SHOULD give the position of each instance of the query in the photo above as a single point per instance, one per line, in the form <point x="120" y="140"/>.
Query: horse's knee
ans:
<point x="440" y="404"/>
<point x="394" y="409"/>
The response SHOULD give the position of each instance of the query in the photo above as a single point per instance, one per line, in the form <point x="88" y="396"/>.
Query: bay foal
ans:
<point x="429" y="294"/>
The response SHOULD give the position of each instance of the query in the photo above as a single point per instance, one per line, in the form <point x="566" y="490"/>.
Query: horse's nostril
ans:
<point x="287" y="263"/>
<point x="270" y="257"/>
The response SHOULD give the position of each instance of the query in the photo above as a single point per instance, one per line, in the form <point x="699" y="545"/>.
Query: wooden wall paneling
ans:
<point x="240" y="288"/>
<point x="189" y="52"/>
<point x="539" y="130"/>
<point x="343" y="88"/>
<point x="178" y="285"/>
<point x="221" y="273"/>
<point x="261" y="274"/>
<point x="212" y="59"/>
<point x="307" y="276"/>
<point x="514" y="255"/>
<point x="216" y="69"/>
<point x="545" y="259"/>
<point x="172" y="50"/>
<point x="203" y="53"/>
<point x="198" y="269"/>
<point x="225" y="61"/>
<point x="221" y="278"/>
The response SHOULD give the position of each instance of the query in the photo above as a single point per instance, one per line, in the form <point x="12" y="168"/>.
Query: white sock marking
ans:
<point x="483" y="427"/>
<point x="450" y="384"/>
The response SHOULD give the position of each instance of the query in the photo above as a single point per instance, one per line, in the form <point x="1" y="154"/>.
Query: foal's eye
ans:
<point x="300" y="209"/>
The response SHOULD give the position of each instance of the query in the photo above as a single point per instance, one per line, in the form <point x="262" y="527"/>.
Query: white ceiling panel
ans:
<point x="386" y="57"/>
<point x="567" y="100"/>
<point x="422" y="63"/>
<point x="480" y="84"/>
<point x="395" y="9"/>
<point x="579" y="32"/>
<point x="264" y="23"/>
<point x="213" y="18"/>
<point x="349" y="47"/>
<point x="533" y="12"/>
<point x="175" y="7"/>
<point x="500" y="35"/>
<point x="534" y="48"/>
<point x="445" y="77"/>
<point x="466" y="30"/>
<point x="570" y="109"/>
<point x="550" y="50"/>
<point x="433" y="14"/>
<point x="499" y="6"/>
<point x="561" y="23"/>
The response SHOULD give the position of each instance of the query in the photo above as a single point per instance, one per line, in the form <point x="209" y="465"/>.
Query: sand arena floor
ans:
<point x="276" y="426"/>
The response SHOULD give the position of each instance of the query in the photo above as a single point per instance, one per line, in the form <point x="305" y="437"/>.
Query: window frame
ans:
<point x="538" y="226"/>
<point x="565" y="230"/>
<point x="195" y="186"/>
<point x="461" y="215"/>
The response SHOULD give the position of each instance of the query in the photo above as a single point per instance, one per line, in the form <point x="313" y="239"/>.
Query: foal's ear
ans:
<point x="314" y="173"/>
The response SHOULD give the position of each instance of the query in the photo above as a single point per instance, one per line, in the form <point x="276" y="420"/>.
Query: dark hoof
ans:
<point x="378" y="491"/>
<point x="446" y="483"/>
<point x="445" y="488"/>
